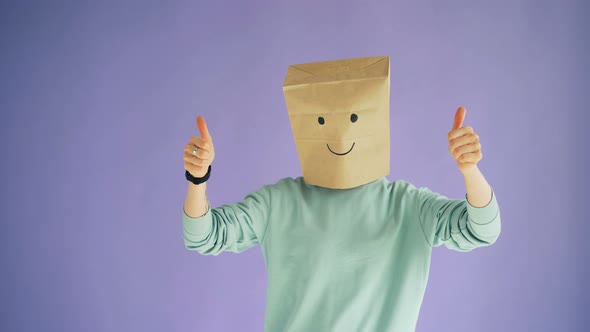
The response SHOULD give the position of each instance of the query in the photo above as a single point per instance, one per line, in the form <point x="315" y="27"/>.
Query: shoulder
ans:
<point x="403" y="191"/>
<point x="286" y="182"/>
<point x="285" y="185"/>
<point x="403" y="186"/>
<point x="419" y="194"/>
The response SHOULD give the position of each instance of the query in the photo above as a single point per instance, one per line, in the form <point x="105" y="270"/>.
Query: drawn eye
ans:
<point x="321" y="120"/>
<point x="353" y="117"/>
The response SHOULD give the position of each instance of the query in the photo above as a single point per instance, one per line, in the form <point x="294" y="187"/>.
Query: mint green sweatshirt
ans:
<point x="344" y="259"/>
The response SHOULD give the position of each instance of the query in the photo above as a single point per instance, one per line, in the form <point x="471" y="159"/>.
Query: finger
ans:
<point x="201" y="143"/>
<point x="201" y="153"/>
<point x="459" y="132"/>
<point x="473" y="147"/>
<point x="459" y="117"/>
<point x="463" y="140"/>
<point x="472" y="157"/>
<point x="203" y="128"/>
<point x="195" y="161"/>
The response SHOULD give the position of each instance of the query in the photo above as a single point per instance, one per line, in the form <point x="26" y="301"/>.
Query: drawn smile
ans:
<point x="340" y="154"/>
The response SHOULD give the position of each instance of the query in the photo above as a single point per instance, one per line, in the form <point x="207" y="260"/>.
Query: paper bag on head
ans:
<point x="339" y="112"/>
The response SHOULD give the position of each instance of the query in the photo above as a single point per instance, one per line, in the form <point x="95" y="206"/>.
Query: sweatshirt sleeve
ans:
<point x="230" y="227"/>
<point x="456" y="223"/>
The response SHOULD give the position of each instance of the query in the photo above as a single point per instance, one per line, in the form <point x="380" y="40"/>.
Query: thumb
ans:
<point x="203" y="128"/>
<point x="459" y="117"/>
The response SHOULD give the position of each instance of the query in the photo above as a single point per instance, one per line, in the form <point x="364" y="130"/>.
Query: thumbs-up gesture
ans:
<point x="197" y="162"/>
<point x="464" y="144"/>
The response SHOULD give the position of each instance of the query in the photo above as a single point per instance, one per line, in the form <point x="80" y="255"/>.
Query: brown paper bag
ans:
<point x="339" y="112"/>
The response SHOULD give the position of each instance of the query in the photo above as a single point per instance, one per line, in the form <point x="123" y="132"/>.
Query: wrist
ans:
<point x="470" y="172"/>
<point x="197" y="180"/>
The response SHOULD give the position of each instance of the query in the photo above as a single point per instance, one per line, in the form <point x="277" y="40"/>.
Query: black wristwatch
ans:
<point x="197" y="180"/>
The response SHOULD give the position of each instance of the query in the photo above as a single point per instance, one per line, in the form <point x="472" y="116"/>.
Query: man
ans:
<point x="345" y="249"/>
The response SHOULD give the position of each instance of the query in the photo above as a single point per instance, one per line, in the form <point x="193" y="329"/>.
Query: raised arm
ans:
<point x="197" y="164"/>
<point x="456" y="223"/>
<point x="231" y="227"/>
<point x="462" y="224"/>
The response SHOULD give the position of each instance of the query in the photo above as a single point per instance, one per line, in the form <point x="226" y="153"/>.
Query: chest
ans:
<point x="336" y="233"/>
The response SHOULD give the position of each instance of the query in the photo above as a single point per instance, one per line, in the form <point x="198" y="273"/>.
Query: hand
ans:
<point x="199" y="165"/>
<point x="464" y="144"/>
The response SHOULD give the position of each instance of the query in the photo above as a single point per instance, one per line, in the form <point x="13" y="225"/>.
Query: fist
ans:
<point x="197" y="163"/>
<point x="464" y="144"/>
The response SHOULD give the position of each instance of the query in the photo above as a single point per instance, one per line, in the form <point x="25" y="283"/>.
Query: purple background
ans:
<point x="98" y="100"/>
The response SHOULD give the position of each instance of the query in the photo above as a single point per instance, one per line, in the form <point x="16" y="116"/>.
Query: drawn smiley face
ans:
<point x="353" y="119"/>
